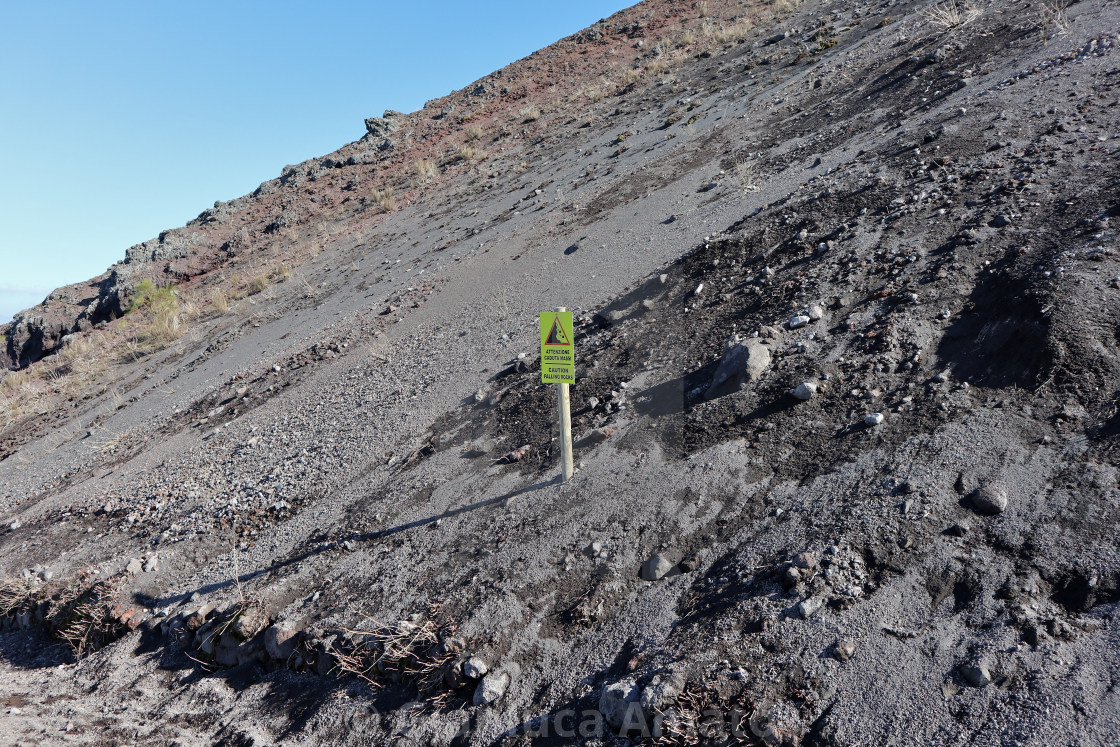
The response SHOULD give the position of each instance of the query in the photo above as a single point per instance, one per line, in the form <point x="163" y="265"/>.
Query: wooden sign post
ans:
<point x="558" y="366"/>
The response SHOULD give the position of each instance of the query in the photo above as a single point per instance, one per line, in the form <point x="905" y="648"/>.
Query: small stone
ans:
<point x="957" y="530"/>
<point x="492" y="687"/>
<point x="655" y="568"/>
<point x="134" y="566"/>
<point x="744" y="361"/>
<point x="276" y="369"/>
<point x="619" y="703"/>
<point x="663" y="278"/>
<point x="593" y="549"/>
<point x="798" y="321"/>
<point x="1000" y="221"/>
<point x="475" y="668"/>
<point x="804" y="391"/>
<point x="250" y="622"/>
<point x="15" y="525"/>
<point x="806" y="560"/>
<point x="151" y="564"/>
<point x="989" y="499"/>
<point x="280" y="642"/>
<point x="976" y="674"/>
<point x="816" y="313"/>
<point x="661" y="693"/>
<point x="809" y="607"/>
<point x="689" y="564"/>
<point x="875" y="418"/>
<point x="648" y="304"/>
<point x="699" y="290"/>
<point x="791" y="577"/>
<point x="845" y="649"/>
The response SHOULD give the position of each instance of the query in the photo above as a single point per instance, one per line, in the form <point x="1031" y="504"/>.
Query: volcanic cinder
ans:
<point x="845" y="280"/>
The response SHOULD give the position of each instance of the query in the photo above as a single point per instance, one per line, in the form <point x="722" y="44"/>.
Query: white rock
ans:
<point x="492" y="687"/>
<point x="655" y="568"/>
<point x="662" y="692"/>
<point x="699" y="290"/>
<point x="134" y="566"/>
<point x="798" y="321"/>
<point x="475" y="668"/>
<point x="976" y="674"/>
<point x="744" y="361"/>
<point x="151" y="564"/>
<point x="810" y="606"/>
<point x="989" y="499"/>
<point x="816" y="312"/>
<point x="875" y="418"/>
<point x="619" y="703"/>
<point x="805" y="390"/>
<point x="280" y="642"/>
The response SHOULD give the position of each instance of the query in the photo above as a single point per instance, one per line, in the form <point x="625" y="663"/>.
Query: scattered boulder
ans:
<point x="280" y="642"/>
<point x="805" y="560"/>
<point x="619" y="703"/>
<point x="809" y="607"/>
<point x="198" y="618"/>
<point x="744" y="361"/>
<point x="491" y="688"/>
<point x="657" y="567"/>
<point x="475" y="668"/>
<point x="804" y="391"/>
<point x="134" y="566"/>
<point x="844" y="650"/>
<point x="798" y="321"/>
<point x="874" y="419"/>
<point x="976" y="674"/>
<point x="249" y="623"/>
<point x="661" y="693"/>
<point x="989" y="499"/>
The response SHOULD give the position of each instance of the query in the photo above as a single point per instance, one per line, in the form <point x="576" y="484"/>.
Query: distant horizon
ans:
<point x="134" y="119"/>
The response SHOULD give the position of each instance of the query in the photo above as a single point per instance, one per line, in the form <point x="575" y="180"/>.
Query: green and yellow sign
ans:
<point x="558" y="351"/>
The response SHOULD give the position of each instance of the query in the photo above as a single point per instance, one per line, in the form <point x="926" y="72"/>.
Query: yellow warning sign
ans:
<point x="558" y="353"/>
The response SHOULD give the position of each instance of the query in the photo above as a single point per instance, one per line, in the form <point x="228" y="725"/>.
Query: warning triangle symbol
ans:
<point x="556" y="335"/>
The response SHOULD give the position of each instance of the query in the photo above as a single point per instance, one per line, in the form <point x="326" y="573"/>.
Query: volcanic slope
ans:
<point x="845" y="279"/>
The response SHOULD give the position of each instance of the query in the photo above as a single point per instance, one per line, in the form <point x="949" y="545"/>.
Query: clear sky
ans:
<point x="121" y="119"/>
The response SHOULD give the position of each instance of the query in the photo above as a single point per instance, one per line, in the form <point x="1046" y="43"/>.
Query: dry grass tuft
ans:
<point x="425" y="170"/>
<point x="84" y="613"/>
<point x="733" y="33"/>
<point x="659" y="66"/>
<point x="745" y="171"/>
<point x="218" y="301"/>
<point x="472" y="133"/>
<point x="385" y="199"/>
<point x="422" y="654"/>
<point x="257" y="284"/>
<point x="469" y="153"/>
<point x="530" y="114"/>
<point x="631" y="75"/>
<point x="702" y="8"/>
<point x="1051" y="14"/>
<point x="953" y="14"/>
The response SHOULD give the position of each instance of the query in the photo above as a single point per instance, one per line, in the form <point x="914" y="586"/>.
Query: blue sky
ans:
<point x="122" y="119"/>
